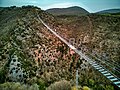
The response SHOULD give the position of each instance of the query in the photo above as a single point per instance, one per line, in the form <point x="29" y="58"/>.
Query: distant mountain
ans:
<point x="109" y="11"/>
<point x="75" y="10"/>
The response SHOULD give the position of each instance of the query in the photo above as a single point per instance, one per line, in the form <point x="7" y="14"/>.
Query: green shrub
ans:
<point x="61" y="85"/>
<point x="98" y="87"/>
<point x="34" y="87"/>
<point x="41" y="84"/>
<point x="2" y="75"/>
<point x="91" y="82"/>
<point x="86" y="88"/>
<point x="17" y="86"/>
<point x="109" y="87"/>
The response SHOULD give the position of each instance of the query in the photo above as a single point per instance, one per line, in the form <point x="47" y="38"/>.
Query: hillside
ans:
<point x="98" y="34"/>
<point x="32" y="58"/>
<point x="68" y="11"/>
<point x="109" y="11"/>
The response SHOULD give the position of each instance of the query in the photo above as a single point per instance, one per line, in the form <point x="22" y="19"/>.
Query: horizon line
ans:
<point x="62" y="8"/>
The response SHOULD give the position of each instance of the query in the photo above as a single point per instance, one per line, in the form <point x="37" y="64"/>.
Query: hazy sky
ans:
<point x="90" y="5"/>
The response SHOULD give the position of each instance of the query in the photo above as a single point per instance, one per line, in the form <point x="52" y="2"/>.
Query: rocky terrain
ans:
<point x="96" y="35"/>
<point x="32" y="58"/>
